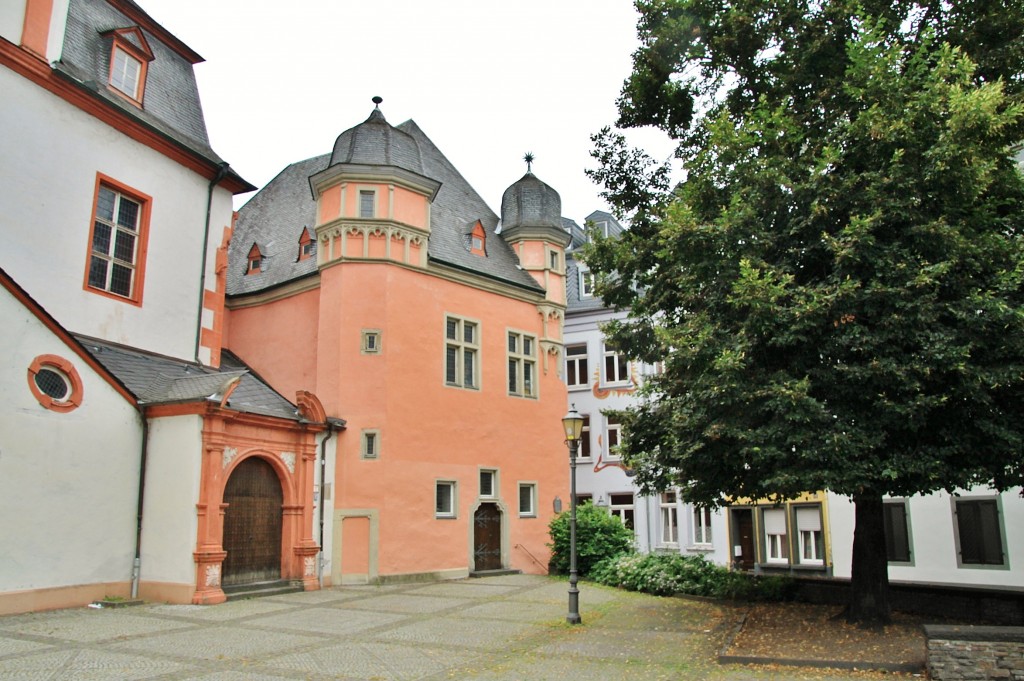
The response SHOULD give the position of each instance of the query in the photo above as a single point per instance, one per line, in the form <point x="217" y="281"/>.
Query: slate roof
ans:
<point x="575" y="304"/>
<point x="171" y="104"/>
<point x="156" y="379"/>
<point x="275" y="217"/>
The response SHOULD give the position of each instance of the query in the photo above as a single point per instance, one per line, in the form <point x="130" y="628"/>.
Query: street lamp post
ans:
<point x="573" y="424"/>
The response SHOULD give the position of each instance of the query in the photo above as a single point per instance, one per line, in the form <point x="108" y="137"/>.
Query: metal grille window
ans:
<point x="116" y="233"/>
<point x="576" y="369"/>
<point x="487" y="487"/>
<point x="462" y="347"/>
<point x="367" y="203"/>
<point x="978" y="532"/>
<point x="897" y="534"/>
<point x="522" y="365"/>
<point x="371" y="444"/>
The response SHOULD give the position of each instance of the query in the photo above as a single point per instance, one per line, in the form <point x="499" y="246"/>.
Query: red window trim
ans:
<point x="144" y="56"/>
<point x="75" y="394"/>
<point x="146" y="202"/>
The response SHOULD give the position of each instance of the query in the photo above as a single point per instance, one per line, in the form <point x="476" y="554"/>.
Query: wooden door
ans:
<point x="252" y="524"/>
<point x="743" y="551"/>
<point x="487" y="538"/>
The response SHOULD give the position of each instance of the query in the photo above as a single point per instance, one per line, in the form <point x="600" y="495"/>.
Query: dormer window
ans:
<point x="307" y="245"/>
<point x="129" y="61"/>
<point x="255" y="260"/>
<point x="478" y="240"/>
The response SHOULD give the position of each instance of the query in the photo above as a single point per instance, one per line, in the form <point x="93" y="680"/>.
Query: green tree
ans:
<point x="837" y="286"/>
<point x="599" y="535"/>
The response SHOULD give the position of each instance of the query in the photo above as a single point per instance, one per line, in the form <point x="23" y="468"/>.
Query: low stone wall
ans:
<point x="962" y="653"/>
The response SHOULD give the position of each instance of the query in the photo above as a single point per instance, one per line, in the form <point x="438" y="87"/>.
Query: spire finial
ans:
<point x="528" y="157"/>
<point x="376" y="101"/>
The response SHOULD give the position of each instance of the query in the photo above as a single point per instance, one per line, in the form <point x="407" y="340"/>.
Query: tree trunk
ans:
<point x="869" y="583"/>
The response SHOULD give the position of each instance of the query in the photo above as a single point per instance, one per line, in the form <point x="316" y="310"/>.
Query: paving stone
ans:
<point x="327" y="621"/>
<point x="512" y="610"/>
<point x="93" y="625"/>
<point x="218" y="643"/>
<point x="458" y="633"/>
<point x="373" y="660"/>
<point x="223" y="612"/>
<point x="13" y="646"/>
<point x="409" y="603"/>
<point x="85" y="665"/>
<point x="466" y="589"/>
<point x="644" y="646"/>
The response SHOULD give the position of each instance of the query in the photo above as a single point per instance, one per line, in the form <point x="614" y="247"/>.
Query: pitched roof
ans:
<point x="275" y="216"/>
<point x="171" y="105"/>
<point x="156" y="379"/>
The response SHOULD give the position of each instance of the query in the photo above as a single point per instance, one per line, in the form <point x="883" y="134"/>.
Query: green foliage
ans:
<point x="672" y="574"/>
<point x="599" y="535"/>
<point x="837" y="288"/>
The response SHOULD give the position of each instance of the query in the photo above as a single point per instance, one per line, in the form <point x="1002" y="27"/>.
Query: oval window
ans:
<point x="51" y="382"/>
<point x="55" y="383"/>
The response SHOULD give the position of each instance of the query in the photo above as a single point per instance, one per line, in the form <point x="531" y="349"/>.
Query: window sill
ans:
<point x="701" y="548"/>
<point x="573" y="388"/>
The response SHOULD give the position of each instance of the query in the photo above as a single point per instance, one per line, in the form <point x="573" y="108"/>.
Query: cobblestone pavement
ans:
<point x="491" y="629"/>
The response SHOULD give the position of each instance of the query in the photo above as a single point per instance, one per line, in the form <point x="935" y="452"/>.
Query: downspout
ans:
<point x="137" y="562"/>
<point x="333" y="425"/>
<point x="222" y="171"/>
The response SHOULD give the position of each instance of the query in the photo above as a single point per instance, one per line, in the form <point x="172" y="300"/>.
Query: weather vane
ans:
<point x="528" y="157"/>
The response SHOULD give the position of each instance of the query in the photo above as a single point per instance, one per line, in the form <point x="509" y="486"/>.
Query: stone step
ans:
<point x="494" y="573"/>
<point x="237" y="592"/>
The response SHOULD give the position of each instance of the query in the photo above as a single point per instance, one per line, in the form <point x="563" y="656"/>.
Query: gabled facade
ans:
<point x="130" y="449"/>
<point x="436" y="336"/>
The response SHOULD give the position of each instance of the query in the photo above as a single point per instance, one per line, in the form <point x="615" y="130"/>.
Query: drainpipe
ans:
<point x="222" y="171"/>
<point x="137" y="562"/>
<point x="333" y="425"/>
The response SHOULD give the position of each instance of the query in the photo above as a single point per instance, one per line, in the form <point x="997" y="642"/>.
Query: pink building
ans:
<point x="376" y="278"/>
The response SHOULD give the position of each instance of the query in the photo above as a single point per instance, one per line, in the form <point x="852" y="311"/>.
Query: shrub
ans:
<point x="599" y="536"/>
<point x="669" y="574"/>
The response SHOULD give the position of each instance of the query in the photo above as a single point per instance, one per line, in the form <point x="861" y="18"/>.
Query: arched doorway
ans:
<point x="252" y="524"/>
<point x="487" y="538"/>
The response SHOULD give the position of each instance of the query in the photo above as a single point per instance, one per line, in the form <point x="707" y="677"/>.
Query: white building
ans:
<point x="601" y="379"/>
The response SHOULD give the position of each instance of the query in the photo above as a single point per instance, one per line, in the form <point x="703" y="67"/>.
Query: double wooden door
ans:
<point x="252" y="524"/>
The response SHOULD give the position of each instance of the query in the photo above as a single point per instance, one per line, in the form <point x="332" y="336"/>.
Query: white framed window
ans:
<point x="462" y="348"/>
<point x="616" y="367"/>
<point x="613" y="431"/>
<point x="979" y="532"/>
<point x="897" y="531"/>
<point x="775" y="538"/>
<point x="445" y="500"/>
<point x="669" y="519"/>
<point x="620" y="505"/>
<point x="370" y="342"/>
<point x="369" y="447"/>
<point x="577" y="371"/>
<point x="367" y="203"/>
<point x="126" y="73"/>
<point x="701" y="526"/>
<point x="809" y="535"/>
<point x="522" y="364"/>
<point x="488" y="484"/>
<point x="586" y="283"/>
<point x="527" y="500"/>
<point x="584" y="449"/>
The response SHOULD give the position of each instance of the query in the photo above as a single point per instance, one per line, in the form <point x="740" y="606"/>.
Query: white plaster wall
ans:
<point x="584" y="328"/>
<point x="51" y="153"/>
<point x="68" y="482"/>
<point x="170" y="522"/>
<point x="934" y="541"/>
<point x="327" y="548"/>
<point x="12" y="20"/>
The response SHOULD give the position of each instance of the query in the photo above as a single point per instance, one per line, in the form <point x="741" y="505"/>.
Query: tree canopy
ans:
<point x="836" y="288"/>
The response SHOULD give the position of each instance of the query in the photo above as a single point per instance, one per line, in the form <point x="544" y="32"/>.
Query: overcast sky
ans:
<point x="486" y="80"/>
